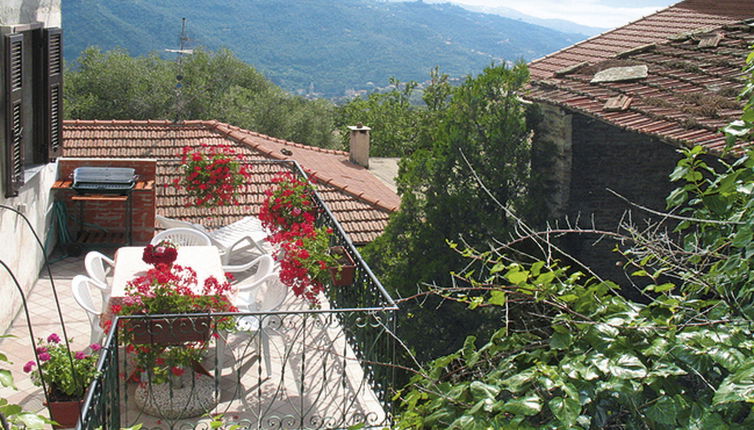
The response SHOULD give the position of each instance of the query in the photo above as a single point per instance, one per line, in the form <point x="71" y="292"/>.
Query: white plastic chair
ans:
<point x="242" y="235"/>
<point x="267" y="296"/>
<point x="95" y="264"/>
<point x="182" y="237"/>
<point x="81" y="288"/>
<point x="265" y="265"/>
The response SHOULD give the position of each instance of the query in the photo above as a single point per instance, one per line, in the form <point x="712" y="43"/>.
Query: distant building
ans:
<point x="619" y="105"/>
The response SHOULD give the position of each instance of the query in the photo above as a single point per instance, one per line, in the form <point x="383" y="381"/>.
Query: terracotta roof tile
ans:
<point x="689" y="93"/>
<point x="360" y="201"/>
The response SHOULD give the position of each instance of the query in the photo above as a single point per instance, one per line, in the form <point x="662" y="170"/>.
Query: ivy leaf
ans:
<point x="33" y="421"/>
<point x="517" y="277"/>
<point x="567" y="410"/>
<point x="6" y="379"/>
<point x="663" y="411"/>
<point x="560" y="340"/>
<point x="737" y="387"/>
<point x="480" y="390"/>
<point x="497" y="298"/>
<point x="628" y="367"/>
<point x="527" y="406"/>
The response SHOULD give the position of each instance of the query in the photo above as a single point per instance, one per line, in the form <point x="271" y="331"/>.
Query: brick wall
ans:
<point x="634" y="165"/>
<point x="108" y="215"/>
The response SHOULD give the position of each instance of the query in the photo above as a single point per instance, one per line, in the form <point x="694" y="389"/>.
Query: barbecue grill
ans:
<point x="103" y="180"/>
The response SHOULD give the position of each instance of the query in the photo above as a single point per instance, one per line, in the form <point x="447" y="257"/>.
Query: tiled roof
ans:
<point x="685" y="16"/>
<point x="690" y="90"/>
<point x="359" y="201"/>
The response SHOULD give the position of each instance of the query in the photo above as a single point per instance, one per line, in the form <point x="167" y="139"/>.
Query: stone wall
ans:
<point x="635" y="166"/>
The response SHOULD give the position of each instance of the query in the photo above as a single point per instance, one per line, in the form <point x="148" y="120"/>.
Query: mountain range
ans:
<point x="326" y="48"/>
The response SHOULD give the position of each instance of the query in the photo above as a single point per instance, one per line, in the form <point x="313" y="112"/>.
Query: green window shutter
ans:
<point x="14" y="125"/>
<point x="53" y="82"/>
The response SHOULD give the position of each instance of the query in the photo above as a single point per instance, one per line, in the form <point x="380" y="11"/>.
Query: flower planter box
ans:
<point x="65" y="413"/>
<point x="173" y="331"/>
<point x="347" y="273"/>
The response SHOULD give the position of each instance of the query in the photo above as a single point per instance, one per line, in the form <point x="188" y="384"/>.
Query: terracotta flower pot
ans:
<point x="65" y="413"/>
<point x="347" y="272"/>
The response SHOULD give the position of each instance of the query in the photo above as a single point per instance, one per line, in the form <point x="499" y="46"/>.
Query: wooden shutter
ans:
<point x="53" y="81"/>
<point x="14" y="126"/>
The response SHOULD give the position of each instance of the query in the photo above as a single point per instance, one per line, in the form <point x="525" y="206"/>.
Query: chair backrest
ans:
<point x="182" y="237"/>
<point x="81" y="288"/>
<point x="271" y="295"/>
<point x="167" y="223"/>
<point x="94" y="262"/>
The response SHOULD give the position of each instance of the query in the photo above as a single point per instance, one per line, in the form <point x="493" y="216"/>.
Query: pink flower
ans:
<point x="80" y="355"/>
<point x="95" y="347"/>
<point x="177" y="371"/>
<point x="54" y="338"/>
<point x="28" y="366"/>
<point x="41" y="349"/>
<point x="45" y="356"/>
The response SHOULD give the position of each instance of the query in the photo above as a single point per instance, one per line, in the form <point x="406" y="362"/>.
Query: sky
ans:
<point x="594" y="13"/>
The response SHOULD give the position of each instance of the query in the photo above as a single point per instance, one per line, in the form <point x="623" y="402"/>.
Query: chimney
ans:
<point x="359" y="151"/>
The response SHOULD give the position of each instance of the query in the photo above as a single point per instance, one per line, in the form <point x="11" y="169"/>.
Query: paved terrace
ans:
<point x="315" y="382"/>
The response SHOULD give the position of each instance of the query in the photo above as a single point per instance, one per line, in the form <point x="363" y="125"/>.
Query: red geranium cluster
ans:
<point x="288" y="204"/>
<point x="303" y="249"/>
<point x="212" y="175"/>
<point x="164" y="252"/>
<point x="176" y="290"/>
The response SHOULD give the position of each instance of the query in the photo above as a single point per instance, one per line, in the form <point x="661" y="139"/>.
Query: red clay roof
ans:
<point x="358" y="200"/>
<point x="690" y="91"/>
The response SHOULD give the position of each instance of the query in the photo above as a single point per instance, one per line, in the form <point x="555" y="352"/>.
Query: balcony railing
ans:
<point x="297" y="368"/>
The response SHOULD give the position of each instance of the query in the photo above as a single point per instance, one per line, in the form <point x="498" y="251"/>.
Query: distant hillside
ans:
<point x="319" y="47"/>
<point x="555" y="24"/>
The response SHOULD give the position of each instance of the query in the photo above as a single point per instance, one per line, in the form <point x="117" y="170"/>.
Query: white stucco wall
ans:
<point x="14" y="12"/>
<point x="18" y="248"/>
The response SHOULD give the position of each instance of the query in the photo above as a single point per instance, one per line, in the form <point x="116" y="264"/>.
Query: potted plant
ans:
<point x="344" y="272"/>
<point x="67" y="376"/>
<point x="212" y="175"/>
<point x="173" y="290"/>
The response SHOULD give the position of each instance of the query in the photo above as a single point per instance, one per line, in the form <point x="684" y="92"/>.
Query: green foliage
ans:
<point x="391" y="115"/>
<point x="480" y="122"/>
<point x="16" y="416"/>
<point x="315" y="47"/>
<point x="114" y="85"/>
<point x="586" y="357"/>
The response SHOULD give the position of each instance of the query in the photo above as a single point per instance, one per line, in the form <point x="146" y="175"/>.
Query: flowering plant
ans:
<point x="55" y="360"/>
<point x="173" y="290"/>
<point x="287" y="204"/>
<point x="164" y="252"/>
<point x="212" y="175"/>
<point x="305" y="260"/>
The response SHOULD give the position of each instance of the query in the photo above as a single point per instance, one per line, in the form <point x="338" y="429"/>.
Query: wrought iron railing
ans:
<point x="293" y="369"/>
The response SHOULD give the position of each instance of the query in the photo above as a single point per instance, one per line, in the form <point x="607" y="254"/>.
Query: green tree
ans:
<point x="480" y="124"/>
<point x="204" y="85"/>
<point x="586" y="357"/>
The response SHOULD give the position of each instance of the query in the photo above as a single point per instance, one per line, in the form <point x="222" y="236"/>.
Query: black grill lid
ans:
<point x="107" y="179"/>
<point x="106" y="175"/>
